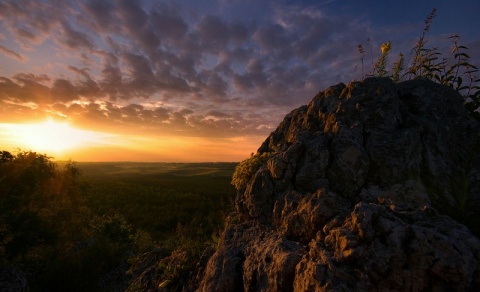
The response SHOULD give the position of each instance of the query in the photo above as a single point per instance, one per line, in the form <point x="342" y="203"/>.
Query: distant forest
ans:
<point x="82" y="226"/>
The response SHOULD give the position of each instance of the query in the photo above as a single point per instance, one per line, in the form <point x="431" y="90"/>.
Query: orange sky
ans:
<point x="63" y="141"/>
<point x="130" y="80"/>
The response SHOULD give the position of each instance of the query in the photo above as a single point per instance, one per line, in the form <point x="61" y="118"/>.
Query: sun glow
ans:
<point x="63" y="141"/>
<point x="50" y="136"/>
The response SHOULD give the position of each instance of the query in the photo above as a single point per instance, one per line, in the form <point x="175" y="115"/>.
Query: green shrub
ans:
<point x="113" y="228"/>
<point x="43" y="214"/>
<point x="461" y="199"/>
<point x="247" y="168"/>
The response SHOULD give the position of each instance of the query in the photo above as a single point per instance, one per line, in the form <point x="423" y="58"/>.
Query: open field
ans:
<point x="157" y="197"/>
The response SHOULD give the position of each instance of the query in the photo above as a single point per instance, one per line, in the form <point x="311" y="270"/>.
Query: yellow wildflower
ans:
<point x="386" y="47"/>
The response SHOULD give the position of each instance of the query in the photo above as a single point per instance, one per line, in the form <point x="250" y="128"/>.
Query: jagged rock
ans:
<point x="145" y="270"/>
<point x="345" y="201"/>
<point x="13" y="280"/>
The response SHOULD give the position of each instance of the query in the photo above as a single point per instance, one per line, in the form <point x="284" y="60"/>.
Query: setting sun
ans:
<point x="50" y="136"/>
<point x="63" y="141"/>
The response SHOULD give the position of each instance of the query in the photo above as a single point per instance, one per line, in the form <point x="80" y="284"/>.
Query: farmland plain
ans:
<point x="158" y="197"/>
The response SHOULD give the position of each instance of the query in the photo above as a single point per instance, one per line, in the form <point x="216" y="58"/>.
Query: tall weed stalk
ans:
<point x="455" y="70"/>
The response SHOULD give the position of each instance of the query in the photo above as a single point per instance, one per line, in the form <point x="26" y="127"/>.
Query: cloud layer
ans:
<point x="162" y="67"/>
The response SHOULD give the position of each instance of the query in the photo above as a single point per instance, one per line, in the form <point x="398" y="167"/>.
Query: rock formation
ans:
<point x="344" y="201"/>
<point x="13" y="280"/>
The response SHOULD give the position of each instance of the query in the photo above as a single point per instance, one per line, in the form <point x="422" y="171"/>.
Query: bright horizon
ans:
<point x="63" y="141"/>
<point x="179" y="81"/>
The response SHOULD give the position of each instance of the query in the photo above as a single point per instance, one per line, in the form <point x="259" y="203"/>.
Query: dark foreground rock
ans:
<point x="353" y="197"/>
<point x="13" y="280"/>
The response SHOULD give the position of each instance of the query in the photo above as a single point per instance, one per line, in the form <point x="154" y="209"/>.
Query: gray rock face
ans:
<point x="13" y="280"/>
<point x="344" y="203"/>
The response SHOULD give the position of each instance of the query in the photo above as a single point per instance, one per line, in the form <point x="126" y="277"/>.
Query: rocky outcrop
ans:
<point x="346" y="200"/>
<point x="13" y="280"/>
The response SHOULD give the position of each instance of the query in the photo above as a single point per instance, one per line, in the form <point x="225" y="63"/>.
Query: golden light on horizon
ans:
<point x="50" y="136"/>
<point x="64" y="141"/>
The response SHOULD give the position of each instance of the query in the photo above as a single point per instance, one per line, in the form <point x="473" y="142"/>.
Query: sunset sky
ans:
<point x="194" y="81"/>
